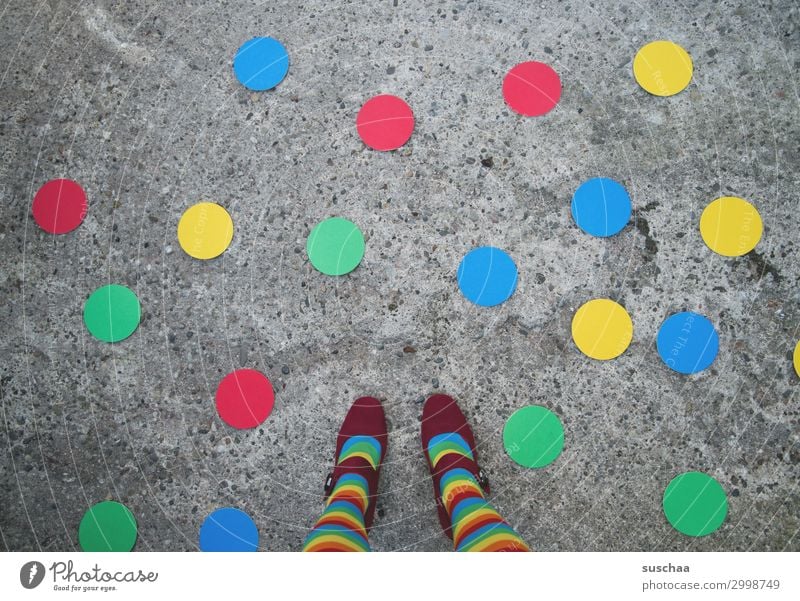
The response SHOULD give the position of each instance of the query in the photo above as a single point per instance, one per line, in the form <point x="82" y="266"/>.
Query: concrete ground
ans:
<point x="136" y="100"/>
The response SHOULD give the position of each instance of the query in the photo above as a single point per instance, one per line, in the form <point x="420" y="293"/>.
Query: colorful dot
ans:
<point x="112" y="313"/>
<point x="796" y="359"/>
<point x="335" y="246"/>
<point x="59" y="206"/>
<point x="261" y="64"/>
<point x="601" y="207"/>
<point x="245" y="398"/>
<point x="385" y="122"/>
<point x="533" y="436"/>
<point x="695" y="504"/>
<point x="731" y="226"/>
<point x="205" y="230"/>
<point x="687" y="342"/>
<point x="602" y="329"/>
<point x="532" y="89"/>
<point x="662" y="68"/>
<point x="107" y="526"/>
<point x="228" y="529"/>
<point x="487" y="276"/>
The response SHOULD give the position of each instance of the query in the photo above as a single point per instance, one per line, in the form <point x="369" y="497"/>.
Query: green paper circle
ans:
<point x="533" y="436"/>
<point x="108" y="526"/>
<point x="335" y="246"/>
<point x="695" y="503"/>
<point x="112" y="313"/>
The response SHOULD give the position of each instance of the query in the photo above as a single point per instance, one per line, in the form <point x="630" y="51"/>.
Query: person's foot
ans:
<point x="448" y="443"/>
<point x="360" y="450"/>
<point x="459" y="485"/>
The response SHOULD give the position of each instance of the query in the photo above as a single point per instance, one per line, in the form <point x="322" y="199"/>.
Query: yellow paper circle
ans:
<point x="796" y="359"/>
<point x="602" y="329"/>
<point x="662" y="68"/>
<point x="205" y="230"/>
<point x="731" y="226"/>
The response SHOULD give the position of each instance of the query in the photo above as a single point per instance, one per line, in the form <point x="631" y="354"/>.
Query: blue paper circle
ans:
<point x="601" y="207"/>
<point x="261" y="64"/>
<point x="687" y="342"/>
<point x="228" y="529"/>
<point x="487" y="276"/>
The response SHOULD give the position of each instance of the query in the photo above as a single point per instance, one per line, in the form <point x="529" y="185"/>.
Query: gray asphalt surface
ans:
<point x="137" y="101"/>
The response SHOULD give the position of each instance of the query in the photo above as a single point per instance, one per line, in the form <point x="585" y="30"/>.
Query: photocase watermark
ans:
<point x="680" y="341"/>
<point x="660" y="83"/>
<point x="200" y="229"/>
<point x="744" y="242"/>
<point x="65" y="577"/>
<point x="31" y="574"/>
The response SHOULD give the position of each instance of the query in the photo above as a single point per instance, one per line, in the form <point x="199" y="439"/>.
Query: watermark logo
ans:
<point x="31" y="574"/>
<point x="66" y="576"/>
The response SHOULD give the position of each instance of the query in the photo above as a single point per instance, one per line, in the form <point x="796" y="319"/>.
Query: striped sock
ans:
<point x="476" y="524"/>
<point x="366" y="447"/>
<point x="341" y="525"/>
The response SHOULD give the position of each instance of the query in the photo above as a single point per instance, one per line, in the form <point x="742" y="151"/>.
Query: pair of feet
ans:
<point x="448" y="445"/>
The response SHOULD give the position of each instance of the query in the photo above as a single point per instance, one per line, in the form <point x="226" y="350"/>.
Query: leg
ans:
<point x="458" y="483"/>
<point x="352" y="486"/>
<point x="341" y="526"/>
<point x="476" y="525"/>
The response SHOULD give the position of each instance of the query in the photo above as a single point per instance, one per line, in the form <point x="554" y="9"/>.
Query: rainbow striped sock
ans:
<point x="476" y="524"/>
<point x="366" y="447"/>
<point x="341" y="526"/>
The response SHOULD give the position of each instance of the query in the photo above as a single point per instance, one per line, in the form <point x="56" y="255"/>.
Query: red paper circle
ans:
<point x="245" y="398"/>
<point x="385" y="122"/>
<point x="532" y="89"/>
<point x="59" y="206"/>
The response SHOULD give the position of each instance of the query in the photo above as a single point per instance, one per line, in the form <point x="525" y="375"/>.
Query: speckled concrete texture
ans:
<point x="136" y="100"/>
